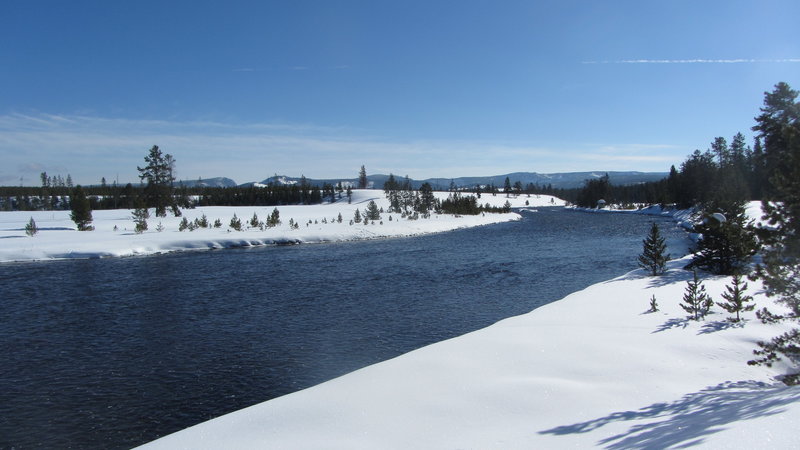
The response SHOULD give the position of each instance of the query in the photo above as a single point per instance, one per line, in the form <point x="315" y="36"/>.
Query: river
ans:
<point x="112" y="353"/>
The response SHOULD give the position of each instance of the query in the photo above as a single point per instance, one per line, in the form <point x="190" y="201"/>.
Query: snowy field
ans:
<point x="594" y="369"/>
<point x="57" y="238"/>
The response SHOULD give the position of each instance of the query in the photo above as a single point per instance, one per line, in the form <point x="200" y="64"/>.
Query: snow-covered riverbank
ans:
<point x="591" y="370"/>
<point x="114" y="236"/>
<point x="594" y="369"/>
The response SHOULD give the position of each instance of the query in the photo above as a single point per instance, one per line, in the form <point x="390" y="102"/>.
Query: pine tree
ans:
<point x="372" y="212"/>
<point x="653" y="258"/>
<point x="274" y="218"/>
<point x="357" y="216"/>
<point x="254" y="221"/>
<point x="779" y="128"/>
<point x="183" y="225"/>
<point x="81" y="210"/>
<point x="362" y="178"/>
<point x="235" y="223"/>
<point x="653" y="304"/>
<point x="728" y="241"/>
<point x="159" y="176"/>
<point x="735" y="298"/>
<point x="140" y="215"/>
<point x="695" y="300"/>
<point x="31" y="228"/>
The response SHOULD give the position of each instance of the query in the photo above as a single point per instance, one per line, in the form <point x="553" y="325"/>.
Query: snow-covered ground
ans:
<point x="594" y="369"/>
<point x="57" y="238"/>
<point x="591" y="370"/>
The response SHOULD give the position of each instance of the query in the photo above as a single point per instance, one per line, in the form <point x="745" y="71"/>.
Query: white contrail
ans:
<point x="695" y="61"/>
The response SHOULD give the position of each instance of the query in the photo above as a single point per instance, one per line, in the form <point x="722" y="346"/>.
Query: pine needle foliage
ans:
<point x="736" y="301"/>
<point x="696" y="300"/>
<point x="653" y="257"/>
<point x="31" y="228"/>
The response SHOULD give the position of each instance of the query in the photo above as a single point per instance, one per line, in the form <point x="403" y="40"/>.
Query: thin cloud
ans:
<point x="695" y="61"/>
<point x="93" y="147"/>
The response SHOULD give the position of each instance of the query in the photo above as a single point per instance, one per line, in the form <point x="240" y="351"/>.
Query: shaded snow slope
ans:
<point x="591" y="370"/>
<point x="58" y="239"/>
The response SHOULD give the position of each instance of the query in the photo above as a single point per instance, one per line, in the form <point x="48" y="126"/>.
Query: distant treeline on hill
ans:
<point x="725" y="172"/>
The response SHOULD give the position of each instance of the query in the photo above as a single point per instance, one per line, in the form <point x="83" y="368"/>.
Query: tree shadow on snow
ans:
<point x="691" y="419"/>
<point x="719" y="325"/>
<point x="676" y="322"/>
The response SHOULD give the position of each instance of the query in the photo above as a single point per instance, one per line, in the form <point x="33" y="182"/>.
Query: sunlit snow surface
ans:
<point x="57" y="238"/>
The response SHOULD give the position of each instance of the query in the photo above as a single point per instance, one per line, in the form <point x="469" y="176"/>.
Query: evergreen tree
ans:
<point x="349" y="195"/>
<point x="372" y="212"/>
<point x="362" y="178"/>
<point x="357" y="216"/>
<point x="140" y="215"/>
<point x="653" y="304"/>
<point x="653" y="258"/>
<point x="507" y="187"/>
<point x="779" y="128"/>
<point x="159" y="176"/>
<point x="254" y="221"/>
<point x="735" y="298"/>
<point x="183" y="225"/>
<point x="235" y="223"/>
<point x="81" y="210"/>
<point x="31" y="228"/>
<point x="274" y="218"/>
<point x="695" y="300"/>
<point x="728" y="240"/>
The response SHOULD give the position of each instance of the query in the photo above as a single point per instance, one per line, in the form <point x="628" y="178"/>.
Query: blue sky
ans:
<point x="420" y="88"/>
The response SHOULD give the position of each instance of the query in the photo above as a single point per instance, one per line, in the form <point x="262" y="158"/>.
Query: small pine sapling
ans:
<point x="653" y="304"/>
<point x="254" y="221"/>
<point x="735" y="298"/>
<point x="695" y="300"/>
<point x="183" y="225"/>
<point x="160" y="227"/>
<point x="31" y="228"/>
<point x="653" y="258"/>
<point x="235" y="223"/>
<point x="217" y="223"/>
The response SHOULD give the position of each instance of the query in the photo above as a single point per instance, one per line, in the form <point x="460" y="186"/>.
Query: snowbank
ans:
<point x="114" y="236"/>
<point x="593" y="369"/>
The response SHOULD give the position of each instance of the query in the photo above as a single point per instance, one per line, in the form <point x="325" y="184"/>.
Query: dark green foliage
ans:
<point x="735" y="298"/>
<point x="653" y="304"/>
<point x="235" y="223"/>
<point x="653" y="258"/>
<point x="81" y="210"/>
<point x="31" y="228"/>
<point x="140" y="216"/>
<point x="158" y="178"/>
<point x="779" y="128"/>
<point x="594" y="191"/>
<point x="362" y="178"/>
<point x="695" y="299"/>
<point x="183" y="225"/>
<point x="274" y="218"/>
<point x="725" y="246"/>
<point x="254" y="221"/>
<point x="372" y="212"/>
<point x="217" y="223"/>
<point x="357" y="216"/>
<point x="202" y="222"/>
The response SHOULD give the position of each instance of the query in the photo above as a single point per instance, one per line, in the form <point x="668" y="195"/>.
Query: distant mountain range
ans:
<point x="565" y="180"/>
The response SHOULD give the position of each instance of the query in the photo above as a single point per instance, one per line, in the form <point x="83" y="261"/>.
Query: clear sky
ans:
<point x="249" y="89"/>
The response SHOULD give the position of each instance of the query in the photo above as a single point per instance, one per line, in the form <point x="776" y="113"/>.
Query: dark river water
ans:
<point x="112" y="353"/>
